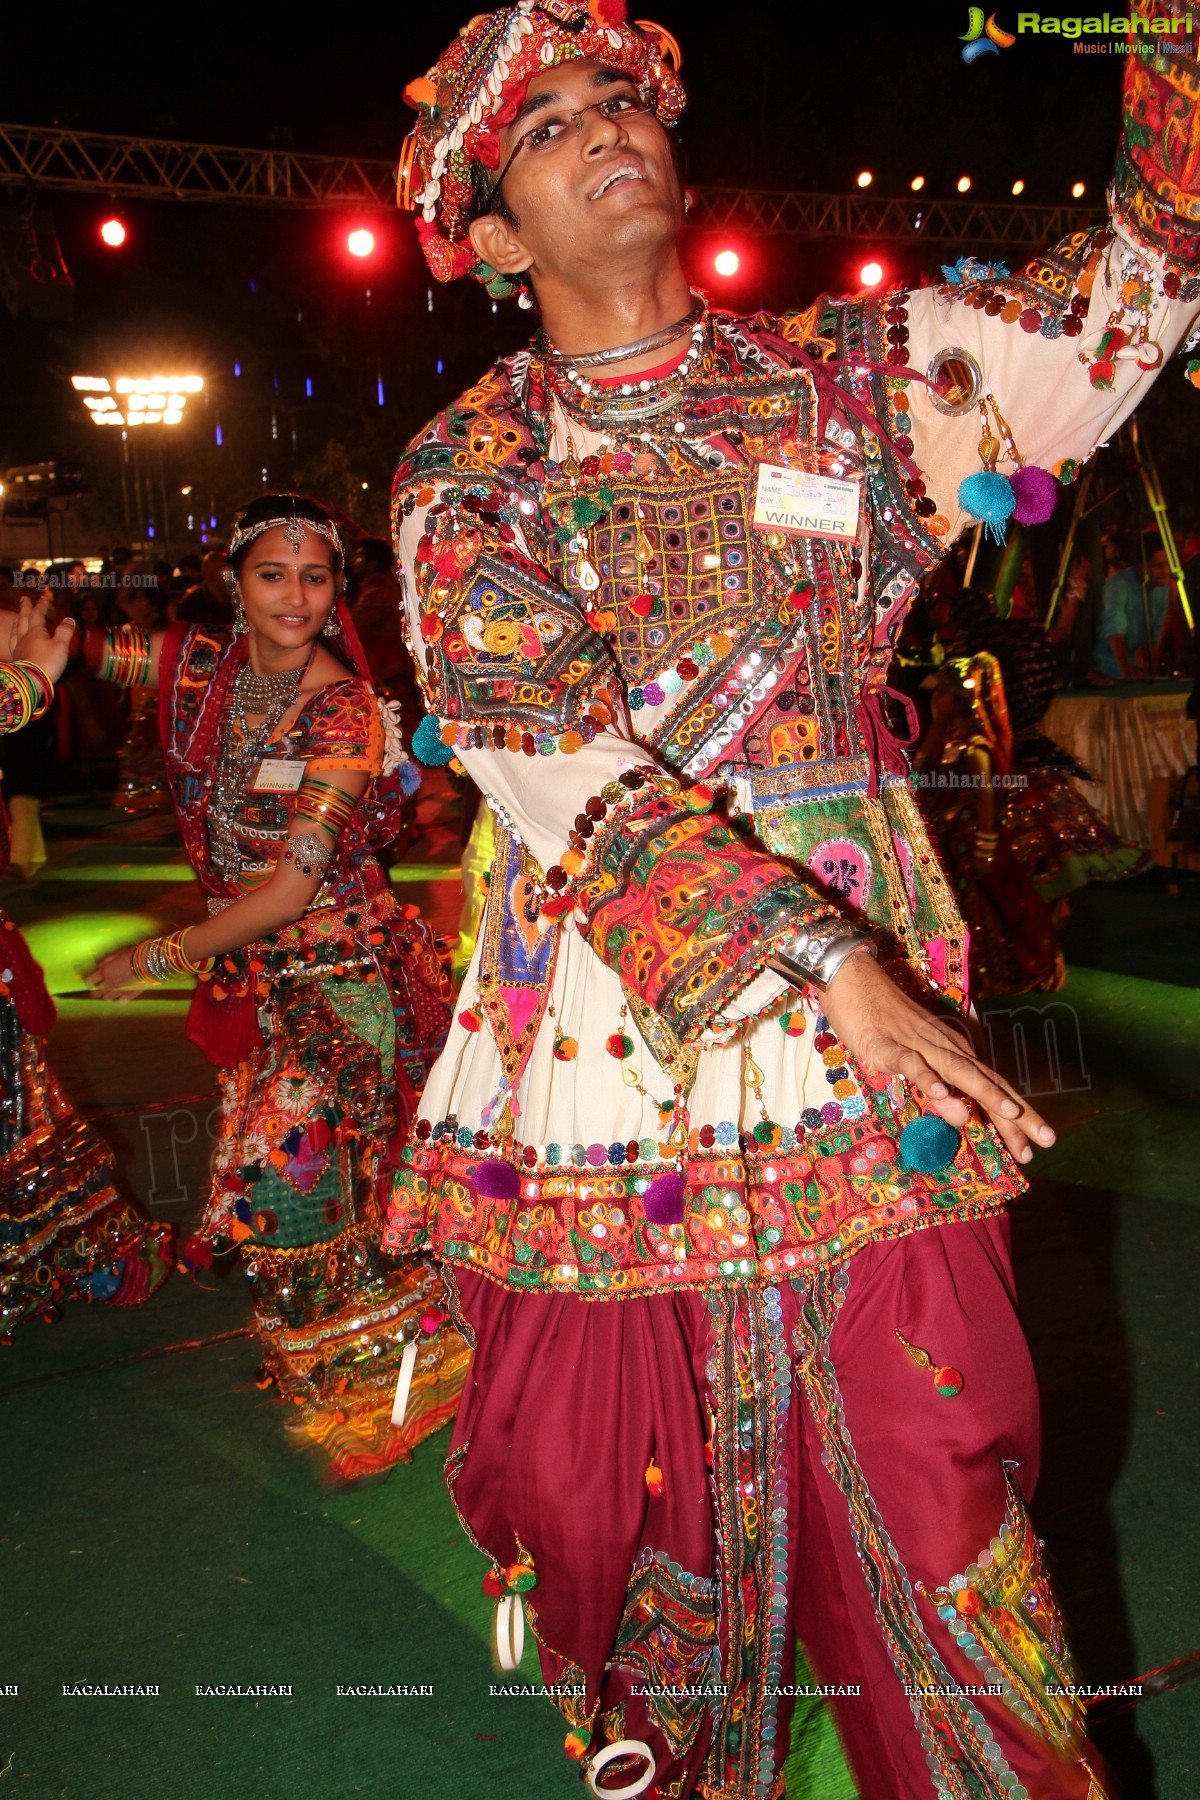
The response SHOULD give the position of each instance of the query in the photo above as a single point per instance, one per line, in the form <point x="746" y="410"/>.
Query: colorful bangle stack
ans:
<point x="157" y="959"/>
<point x="30" y="689"/>
<point x="127" y="658"/>
<point x="325" y="805"/>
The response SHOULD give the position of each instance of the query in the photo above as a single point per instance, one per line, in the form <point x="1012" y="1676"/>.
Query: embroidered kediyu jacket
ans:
<point x="673" y="701"/>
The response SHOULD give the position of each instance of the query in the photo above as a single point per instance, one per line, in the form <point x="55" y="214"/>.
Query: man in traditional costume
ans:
<point x="722" y="1197"/>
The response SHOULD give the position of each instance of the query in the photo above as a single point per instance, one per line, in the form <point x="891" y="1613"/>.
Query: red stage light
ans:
<point x="113" y="233"/>
<point x="360" y="243"/>
<point x="727" y="262"/>
<point x="871" y="274"/>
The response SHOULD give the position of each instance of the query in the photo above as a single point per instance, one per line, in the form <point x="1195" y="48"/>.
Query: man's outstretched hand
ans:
<point x="25" y="636"/>
<point x="886" y="1031"/>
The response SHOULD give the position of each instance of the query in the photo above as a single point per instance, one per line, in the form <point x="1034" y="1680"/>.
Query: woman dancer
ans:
<point x="321" y="1000"/>
<point x="65" y="1231"/>
<point x="965" y="763"/>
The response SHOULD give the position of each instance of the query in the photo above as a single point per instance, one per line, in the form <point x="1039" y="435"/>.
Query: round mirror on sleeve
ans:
<point x="956" y="381"/>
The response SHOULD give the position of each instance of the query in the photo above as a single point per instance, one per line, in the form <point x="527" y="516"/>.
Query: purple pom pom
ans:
<point x="664" y="1199"/>
<point x="1037" y="495"/>
<point x="496" y="1180"/>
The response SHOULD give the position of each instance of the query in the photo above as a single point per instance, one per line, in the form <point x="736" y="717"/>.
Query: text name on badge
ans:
<point x="278" y="775"/>
<point x="791" y="500"/>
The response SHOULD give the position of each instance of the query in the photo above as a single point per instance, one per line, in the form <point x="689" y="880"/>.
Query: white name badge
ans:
<point x="792" y="500"/>
<point x="278" y="775"/>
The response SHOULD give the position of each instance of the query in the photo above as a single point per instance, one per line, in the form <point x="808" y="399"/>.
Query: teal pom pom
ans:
<point x="928" y="1144"/>
<point x="428" y="746"/>
<point x="990" y="499"/>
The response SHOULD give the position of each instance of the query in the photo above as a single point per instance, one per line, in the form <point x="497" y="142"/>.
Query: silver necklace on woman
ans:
<point x="251" y="692"/>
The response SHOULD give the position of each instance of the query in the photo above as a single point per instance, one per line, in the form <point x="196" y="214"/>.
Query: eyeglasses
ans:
<point x="553" y="131"/>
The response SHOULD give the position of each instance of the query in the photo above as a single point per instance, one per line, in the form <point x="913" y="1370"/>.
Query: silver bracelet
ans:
<point x="308" y="854"/>
<point x="813" y="957"/>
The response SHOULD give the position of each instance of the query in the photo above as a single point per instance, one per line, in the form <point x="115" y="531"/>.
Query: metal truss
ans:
<point x="875" y="218"/>
<point x="46" y="159"/>
<point x="49" y="159"/>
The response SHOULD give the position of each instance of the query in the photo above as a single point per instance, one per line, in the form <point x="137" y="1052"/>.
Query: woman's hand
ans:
<point x="886" y="1031"/>
<point x="113" y="977"/>
<point x="35" y="642"/>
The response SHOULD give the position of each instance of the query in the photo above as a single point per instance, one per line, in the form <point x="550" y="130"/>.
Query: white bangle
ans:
<point x="611" y="1753"/>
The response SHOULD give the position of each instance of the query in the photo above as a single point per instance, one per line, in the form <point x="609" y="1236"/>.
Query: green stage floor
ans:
<point x="156" y="1529"/>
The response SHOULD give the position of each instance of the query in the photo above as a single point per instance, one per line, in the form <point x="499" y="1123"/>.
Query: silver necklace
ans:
<point x="629" y="402"/>
<point x="259" y="693"/>
<point x="272" y="694"/>
<point x="598" y="359"/>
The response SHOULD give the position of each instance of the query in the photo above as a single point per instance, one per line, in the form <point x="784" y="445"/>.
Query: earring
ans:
<point x="240" y="621"/>
<point x="525" y="300"/>
<point x="331" y="627"/>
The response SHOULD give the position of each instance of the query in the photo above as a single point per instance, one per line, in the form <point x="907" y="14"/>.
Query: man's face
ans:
<point x="212" y="573"/>
<point x="589" y="189"/>
<point x="1158" y="568"/>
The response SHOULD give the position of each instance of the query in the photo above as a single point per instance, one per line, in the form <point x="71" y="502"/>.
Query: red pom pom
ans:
<point x="948" y="1381"/>
<point x="494" y="1584"/>
<point x="196" y="1254"/>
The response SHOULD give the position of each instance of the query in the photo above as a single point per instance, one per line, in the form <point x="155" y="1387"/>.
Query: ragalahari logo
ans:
<point x="984" y="37"/>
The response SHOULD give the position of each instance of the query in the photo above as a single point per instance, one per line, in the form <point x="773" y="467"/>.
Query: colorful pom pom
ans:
<point x="1037" y="495"/>
<point x="655" y="1485"/>
<point x="664" y="1199"/>
<point x="947" y="1381"/>
<point x="989" y="498"/>
<point x="469" y="1019"/>
<point x="928" y="1144"/>
<point x="620" y="1045"/>
<point x="427" y="744"/>
<point x="566" y="1049"/>
<point x="576" y="1745"/>
<point x="196" y="1254"/>
<point x="496" y="1180"/>
<point x="521" y="1577"/>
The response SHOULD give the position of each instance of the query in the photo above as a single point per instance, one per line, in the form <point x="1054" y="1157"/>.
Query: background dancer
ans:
<point x="320" y="999"/>
<point x="66" y="1232"/>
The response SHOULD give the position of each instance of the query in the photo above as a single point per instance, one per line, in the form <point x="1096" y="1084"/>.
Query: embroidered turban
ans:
<point x="476" y="87"/>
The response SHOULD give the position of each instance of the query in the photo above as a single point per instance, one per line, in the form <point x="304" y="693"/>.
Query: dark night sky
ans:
<point x="781" y="96"/>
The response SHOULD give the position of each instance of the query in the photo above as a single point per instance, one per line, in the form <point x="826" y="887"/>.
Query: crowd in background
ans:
<point x="97" y="740"/>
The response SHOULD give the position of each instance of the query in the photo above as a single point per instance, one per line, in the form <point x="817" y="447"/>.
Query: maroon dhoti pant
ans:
<point x="697" y="1480"/>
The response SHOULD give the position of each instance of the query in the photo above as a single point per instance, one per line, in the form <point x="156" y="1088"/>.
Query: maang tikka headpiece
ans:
<point x="295" y="529"/>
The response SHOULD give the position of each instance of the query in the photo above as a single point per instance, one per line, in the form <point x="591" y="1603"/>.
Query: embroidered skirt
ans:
<point x="308" y="1126"/>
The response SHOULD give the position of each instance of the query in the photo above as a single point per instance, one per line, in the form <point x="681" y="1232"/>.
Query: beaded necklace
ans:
<point x="601" y="404"/>
<point x="242" y="748"/>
